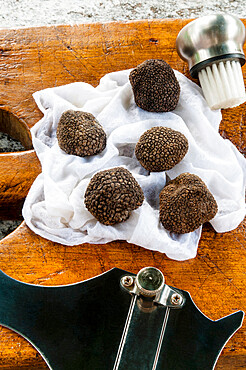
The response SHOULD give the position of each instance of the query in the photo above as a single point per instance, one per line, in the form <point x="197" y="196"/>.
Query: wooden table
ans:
<point x="36" y="58"/>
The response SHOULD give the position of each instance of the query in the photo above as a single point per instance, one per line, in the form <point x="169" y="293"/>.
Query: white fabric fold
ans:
<point x="54" y="207"/>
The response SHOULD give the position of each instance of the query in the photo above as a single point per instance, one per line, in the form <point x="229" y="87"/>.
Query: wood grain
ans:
<point x="37" y="58"/>
<point x="18" y="170"/>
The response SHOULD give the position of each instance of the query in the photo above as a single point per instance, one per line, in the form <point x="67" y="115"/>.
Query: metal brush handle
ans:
<point x="211" y="38"/>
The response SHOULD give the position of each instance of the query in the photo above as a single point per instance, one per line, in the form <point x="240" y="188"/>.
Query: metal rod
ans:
<point x="124" y="334"/>
<point x="163" y="329"/>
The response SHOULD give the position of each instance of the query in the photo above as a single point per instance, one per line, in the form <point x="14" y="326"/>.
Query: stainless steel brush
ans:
<point x="213" y="48"/>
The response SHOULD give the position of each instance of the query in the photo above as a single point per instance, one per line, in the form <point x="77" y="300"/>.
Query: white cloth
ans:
<point x="54" y="207"/>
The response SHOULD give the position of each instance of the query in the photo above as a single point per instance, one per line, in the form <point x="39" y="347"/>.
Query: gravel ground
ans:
<point x="26" y="13"/>
<point x="8" y="144"/>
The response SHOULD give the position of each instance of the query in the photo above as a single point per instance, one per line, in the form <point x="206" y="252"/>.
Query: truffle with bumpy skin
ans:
<point x="186" y="203"/>
<point x="155" y="86"/>
<point x="79" y="133"/>
<point x="161" y="148"/>
<point x="112" y="194"/>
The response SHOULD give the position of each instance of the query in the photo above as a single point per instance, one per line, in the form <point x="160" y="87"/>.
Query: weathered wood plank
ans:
<point x="33" y="59"/>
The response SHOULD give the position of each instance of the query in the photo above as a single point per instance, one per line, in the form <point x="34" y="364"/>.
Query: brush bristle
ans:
<point x="223" y="85"/>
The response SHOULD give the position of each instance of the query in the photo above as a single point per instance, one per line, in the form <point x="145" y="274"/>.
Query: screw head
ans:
<point x="176" y="299"/>
<point x="127" y="281"/>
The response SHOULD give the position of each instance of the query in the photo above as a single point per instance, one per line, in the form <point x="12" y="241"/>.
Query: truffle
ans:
<point x="155" y="86"/>
<point x="161" y="148"/>
<point x="112" y="194"/>
<point x="79" y="133"/>
<point x="186" y="203"/>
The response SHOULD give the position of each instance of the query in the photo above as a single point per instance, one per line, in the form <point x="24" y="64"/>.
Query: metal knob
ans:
<point x="210" y="38"/>
<point x="150" y="281"/>
<point x="213" y="48"/>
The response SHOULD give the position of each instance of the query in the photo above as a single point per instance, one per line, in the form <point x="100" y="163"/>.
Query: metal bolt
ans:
<point x="150" y="281"/>
<point x="127" y="281"/>
<point x="176" y="299"/>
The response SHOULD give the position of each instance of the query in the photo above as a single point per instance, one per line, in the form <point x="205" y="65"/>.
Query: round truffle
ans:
<point x="186" y="203"/>
<point x="112" y="194"/>
<point x="155" y="87"/>
<point x="79" y="133"/>
<point x="161" y="148"/>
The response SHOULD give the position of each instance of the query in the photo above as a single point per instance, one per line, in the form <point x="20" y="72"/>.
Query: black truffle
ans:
<point x="161" y="148"/>
<point x="79" y="133"/>
<point x="155" y="86"/>
<point x="112" y="194"/>
<point x="186" y="203"/>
